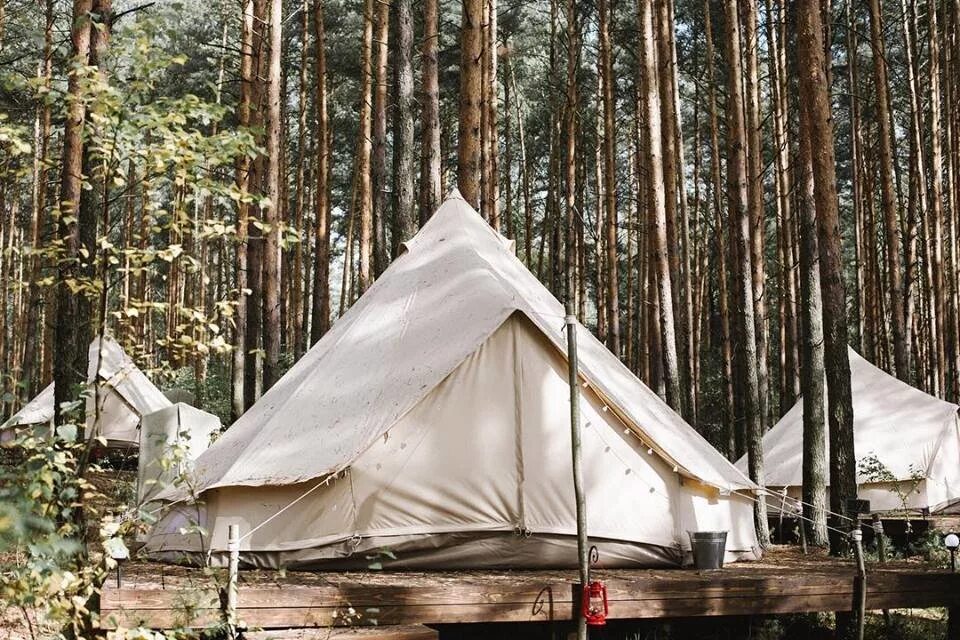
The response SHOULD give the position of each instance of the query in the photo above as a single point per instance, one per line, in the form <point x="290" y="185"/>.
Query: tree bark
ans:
<point x="403" y="134"/>
<point x="468" y="138"/>
<point x="656" y="204"/>
<point x="723" y="294"/>
<point x="888" y="196"/>
<point x="364" y="199"/>
<point x="816" y="116"/>
<point x="570" y="161"/>
<point x="609" y="182"/>
<point x="70" y="355"/>
<point x="242" y="180"/>
<point x="35" y="298"/>
<point x="381" y="41"/>
<point x="812" y="371"/>
<point x="271" y="245"/>
<point x="320" y="315"/>
<point x="755" y="207"/>
<point x="430" y="195"/>
<point x="740" y="221"/>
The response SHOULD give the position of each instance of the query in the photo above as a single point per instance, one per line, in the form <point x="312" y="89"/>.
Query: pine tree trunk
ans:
<point x="430" y="195"/>
<point x="70" y="355"/>
<point x="403" y="134"/>
<point x="673" y="181"/>
<point x="936" y="218"/>
<point x="656" y="204"/>
<point x="812" y="371"/>
<point x="364" y="199"/>
<point x="888" y="196"/>
<point x="242" y="180"/>
<point x="381" y="41"/>
<point x="754" y="153"/>
<point x="570" y="160"/>
<point x="723" y="294"/>
<point x="320" y="315"/>
<point x="32" y="333"/>
<point x="468" y="138"/>
<point x="609" y="182"/>
<point x="816" y="116"/>
<point x="737" y="188"/>
<point x="296" y="317"/>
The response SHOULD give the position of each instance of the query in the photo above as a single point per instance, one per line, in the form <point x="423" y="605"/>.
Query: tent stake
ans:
<point x="233" y="546"/>
<point x="582" y="548"/>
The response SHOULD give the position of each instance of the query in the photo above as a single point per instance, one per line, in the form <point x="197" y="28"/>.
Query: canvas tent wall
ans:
<point x="171" y="439"/>
<point x="432" y="422"/>
<point x="113" y="410"/>
<point x="911" y="440"/>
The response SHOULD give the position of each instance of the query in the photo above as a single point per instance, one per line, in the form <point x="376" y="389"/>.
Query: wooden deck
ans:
<point x="159" y="596"/>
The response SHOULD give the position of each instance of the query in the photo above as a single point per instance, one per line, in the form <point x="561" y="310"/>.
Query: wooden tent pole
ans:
<point x="582" y="544"/>
<point x="233" y="546"/>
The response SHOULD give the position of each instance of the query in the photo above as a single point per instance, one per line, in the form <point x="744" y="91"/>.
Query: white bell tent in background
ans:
<point x="907" y="444"/>
<point x="170" y="440"/>
<point x="124" y="395"/>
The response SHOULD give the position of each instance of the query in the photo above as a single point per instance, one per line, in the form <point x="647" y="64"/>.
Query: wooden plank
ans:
<point x="406" y="632"/>
<point x="390" y="599"/>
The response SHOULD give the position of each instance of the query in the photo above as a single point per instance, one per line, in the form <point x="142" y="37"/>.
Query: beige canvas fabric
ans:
<point x="171" y="439"/>
<point x="915" y="436"/>
<point x="433" y="420"/>
<point x="125" y="394"/>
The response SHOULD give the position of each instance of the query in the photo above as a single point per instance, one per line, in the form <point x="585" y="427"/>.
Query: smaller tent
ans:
<point x="170" y="440"/>
<point x="124" y="395"/>
<point x="907" y="445"/>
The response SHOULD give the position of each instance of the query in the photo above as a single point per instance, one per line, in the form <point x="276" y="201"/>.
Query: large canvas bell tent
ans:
<point x="430" y="429"/>
<point x="907" y="444"/>
<point x="113" y="411"/>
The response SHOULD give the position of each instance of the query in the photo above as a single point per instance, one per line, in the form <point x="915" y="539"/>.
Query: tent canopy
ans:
<point x="433" y="421"/>
<point x="456" y="282"/>
<point x="125" y="395"/>
<point x="913" y="435"/>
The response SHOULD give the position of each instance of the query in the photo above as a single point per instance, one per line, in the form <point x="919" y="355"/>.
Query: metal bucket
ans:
<point x="708" y="548"/>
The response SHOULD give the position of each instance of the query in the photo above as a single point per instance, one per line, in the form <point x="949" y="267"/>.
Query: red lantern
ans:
<point x="595" y="608"/>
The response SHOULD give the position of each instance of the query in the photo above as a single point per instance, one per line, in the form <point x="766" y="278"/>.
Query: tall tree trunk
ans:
<point x="785" y="222"/>
<point x="364" y="198"/>
<point x="936" y="218"/>
<point x="70" y="359"/>
<point x="430" y="194"/>
<point x="381" y="40"/>
<point x="271" y="245"/>
<point x="816" y="118"/>
<point x="888" y="196"/>
<point x="242" y="180"/>
<point x="723" y="294"/>
<point x="812" y="371"/>
<point x="403" y="134"/>
<point x="32" y="333"/>
<point x="252" y="384"/>
<point x="468" y="138"/>
<point x="754" y="125"/>
<point x="320" y="315"/>
<point x="297" y="269"/>
<point x="570" y="161"/>
<point x="740" y="222"/>
<point x="656" y="204"/>
<point x="672" y="181"/>
<point x="609" y="181"/>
